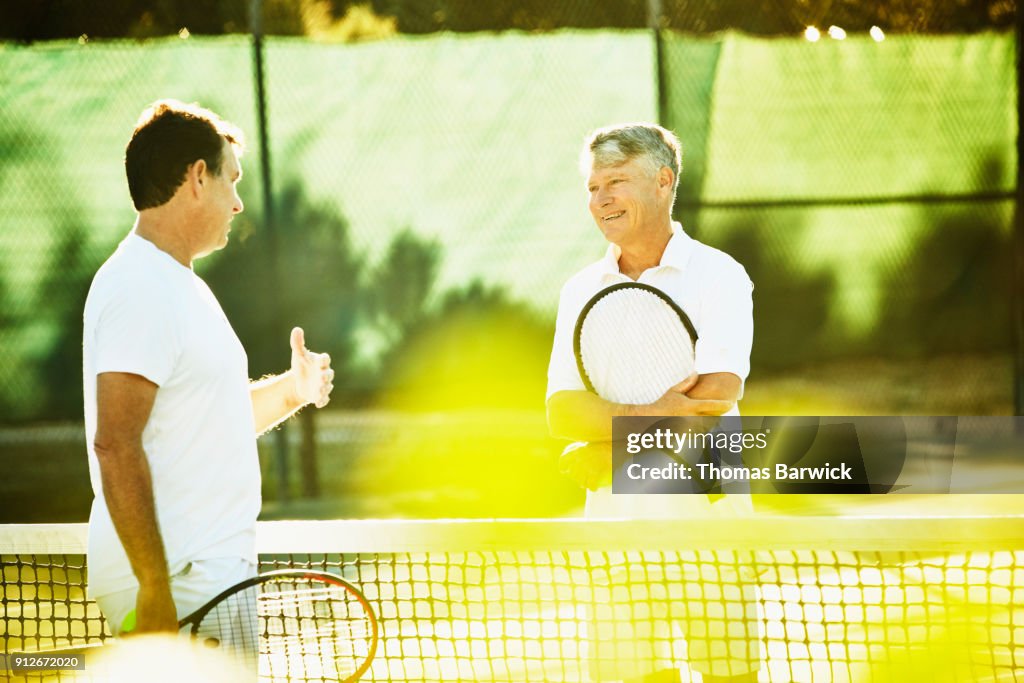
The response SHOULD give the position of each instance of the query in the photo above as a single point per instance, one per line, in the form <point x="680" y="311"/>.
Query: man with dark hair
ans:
<point x="167" y="139"/>
<point x="632" y="172"/>
<point x="171" y="416"/>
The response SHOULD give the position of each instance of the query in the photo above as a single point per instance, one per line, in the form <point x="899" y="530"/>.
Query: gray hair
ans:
<point x="647" y="143"/>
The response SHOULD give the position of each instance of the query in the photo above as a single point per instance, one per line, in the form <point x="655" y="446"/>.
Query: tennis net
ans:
<point x="799" y="598"/>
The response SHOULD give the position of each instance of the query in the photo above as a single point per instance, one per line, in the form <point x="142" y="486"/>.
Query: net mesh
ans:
<point x="800" y="599"/>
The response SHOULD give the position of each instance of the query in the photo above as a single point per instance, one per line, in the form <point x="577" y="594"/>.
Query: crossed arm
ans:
<point x="124" y="403"/>
<point x="583" y="416"/>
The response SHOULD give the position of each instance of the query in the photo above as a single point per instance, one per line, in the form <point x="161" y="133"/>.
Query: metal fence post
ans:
<point x="1017" y="297"/>
<point x="256" y="27"/>
<point x="654" y="23"/>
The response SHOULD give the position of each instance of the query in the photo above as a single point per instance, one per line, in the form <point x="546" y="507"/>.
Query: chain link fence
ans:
<point x="866" y="185"/>
<point x="428" y="204"/>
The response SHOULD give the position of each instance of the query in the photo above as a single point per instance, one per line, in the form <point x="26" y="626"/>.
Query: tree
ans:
<point x="53" y="19"/>
<point x="478" y="350"/>
<point x="316" y="286"/>
<point x="60" y="300"/>
<point x="401" y="285"/>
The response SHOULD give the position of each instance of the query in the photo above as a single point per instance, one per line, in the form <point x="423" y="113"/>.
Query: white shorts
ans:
<point x="192" y="587"/>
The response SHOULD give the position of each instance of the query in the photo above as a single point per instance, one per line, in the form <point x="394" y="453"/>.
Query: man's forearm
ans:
<point x="128" y="491"/>
<point x="722" y="386"/>
<point x="583" y="416"/>
<point x="274" y="400"/>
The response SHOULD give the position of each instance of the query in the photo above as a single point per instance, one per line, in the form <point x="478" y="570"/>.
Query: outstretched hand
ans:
<point x="311" y="371"/>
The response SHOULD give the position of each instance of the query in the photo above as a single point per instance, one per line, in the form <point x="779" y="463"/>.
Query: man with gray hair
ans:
<point x="632" y="173"/>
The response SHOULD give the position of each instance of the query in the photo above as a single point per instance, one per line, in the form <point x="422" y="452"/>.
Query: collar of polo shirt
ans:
<point x="677" y="253"/>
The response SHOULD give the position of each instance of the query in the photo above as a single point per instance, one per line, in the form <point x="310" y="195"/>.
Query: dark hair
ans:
<point x="169" y="137"/>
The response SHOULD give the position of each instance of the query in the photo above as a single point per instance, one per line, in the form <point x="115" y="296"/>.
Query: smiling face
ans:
<point x="628" y="202"/>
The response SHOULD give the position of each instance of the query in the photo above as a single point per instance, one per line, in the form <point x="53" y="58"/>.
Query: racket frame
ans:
<point x="194" y="620"/>
<point x="577" y="331"/>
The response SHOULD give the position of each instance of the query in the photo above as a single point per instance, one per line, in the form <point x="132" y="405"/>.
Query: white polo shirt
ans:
<point x="708" y="284"/>
<point x="716" y="294"/>
<point x="148" y="315"/>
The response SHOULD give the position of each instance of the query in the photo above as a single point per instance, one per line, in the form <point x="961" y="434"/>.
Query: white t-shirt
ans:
<point x="716" y="294"/>
<point x="148" y="315"/>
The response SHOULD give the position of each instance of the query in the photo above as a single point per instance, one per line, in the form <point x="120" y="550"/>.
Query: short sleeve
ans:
<point x="563" y="375"/>
<point x="726" y="333"/>
<point x="135" y="333"/>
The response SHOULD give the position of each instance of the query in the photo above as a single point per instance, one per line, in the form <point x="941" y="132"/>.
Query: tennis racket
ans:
<point x="633" y="343"/>
<point x="284" y="625"/>
<point x="291" y="625"/>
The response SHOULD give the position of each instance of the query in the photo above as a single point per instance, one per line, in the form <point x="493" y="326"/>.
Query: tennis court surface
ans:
<point x="812" y="598"/>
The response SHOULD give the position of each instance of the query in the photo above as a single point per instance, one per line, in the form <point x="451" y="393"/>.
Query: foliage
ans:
<point x="359" y="22"/>
<point x="9" y="321"/>
<point x="478" y="350"/>
<point x="791" y="309"/>
<point x="307" y="273"/>
<point x="360" y="19"/>
<point x="948" y="291"/>
<point x="304" y="271"/>
<point x="963" y="274"/>
<point x="401" y="284"/>
<point x="60" y="300"/>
